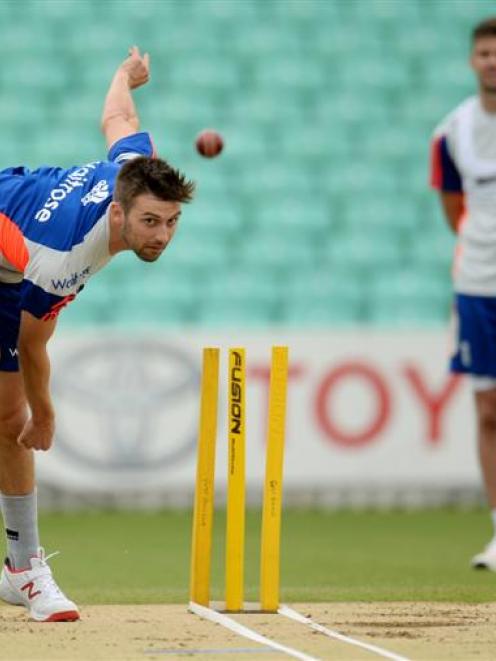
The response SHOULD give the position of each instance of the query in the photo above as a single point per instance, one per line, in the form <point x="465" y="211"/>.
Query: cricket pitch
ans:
<point x="420" y="631"/>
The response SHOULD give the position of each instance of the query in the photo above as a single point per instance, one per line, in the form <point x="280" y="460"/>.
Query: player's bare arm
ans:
<point x="119" y="117"/>
<point x="35" y="366"/>
<point x="454" y="207"/>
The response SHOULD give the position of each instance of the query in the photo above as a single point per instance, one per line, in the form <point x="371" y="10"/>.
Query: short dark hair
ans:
<point x="486" y="28"/>
<point x="151" y="175"/>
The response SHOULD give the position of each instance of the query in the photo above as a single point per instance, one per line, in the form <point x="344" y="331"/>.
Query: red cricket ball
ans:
<point x="209" y="143"/>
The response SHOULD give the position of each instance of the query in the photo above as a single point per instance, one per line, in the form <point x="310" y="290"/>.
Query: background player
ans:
<point x="57" y="228"/>
<point x="464" y="173"/>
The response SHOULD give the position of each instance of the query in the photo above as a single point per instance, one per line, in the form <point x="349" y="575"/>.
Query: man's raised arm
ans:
<point x="119" y="117"/>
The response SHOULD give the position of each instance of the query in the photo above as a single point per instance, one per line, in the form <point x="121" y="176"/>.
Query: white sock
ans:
<point x="21" y="528"/>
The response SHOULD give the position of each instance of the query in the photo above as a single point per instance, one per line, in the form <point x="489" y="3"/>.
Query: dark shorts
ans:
<point x="475" y="319"/>
<point x="10" y="319"/>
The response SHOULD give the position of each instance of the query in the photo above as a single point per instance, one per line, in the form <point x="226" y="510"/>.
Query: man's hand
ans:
<point x="136" y="67"/>
<point x="37" y="435"/>
<point x="34" y="335"/>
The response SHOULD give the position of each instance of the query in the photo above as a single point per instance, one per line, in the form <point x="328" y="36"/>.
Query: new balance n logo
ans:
<point x="30" y="590"/>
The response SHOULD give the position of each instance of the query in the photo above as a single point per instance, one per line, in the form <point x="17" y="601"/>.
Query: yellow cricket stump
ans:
<point x="205" y="476"/>
<point x="272" y="501"/>
<point x="235" y="521"/>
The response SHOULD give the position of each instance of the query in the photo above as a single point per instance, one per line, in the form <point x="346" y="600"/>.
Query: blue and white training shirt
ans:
<point x="54" y="227"/>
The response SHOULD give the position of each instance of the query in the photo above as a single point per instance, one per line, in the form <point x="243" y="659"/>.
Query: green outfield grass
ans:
<point x="129" y="557"/>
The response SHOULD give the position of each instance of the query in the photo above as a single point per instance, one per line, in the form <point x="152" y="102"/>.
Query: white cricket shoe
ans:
<point x="36" y="589"/>
<point x="486" y="559"/>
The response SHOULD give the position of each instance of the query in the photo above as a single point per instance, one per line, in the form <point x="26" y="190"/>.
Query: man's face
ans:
<point x="149" y="225"/>
<point x="483" y="62"/>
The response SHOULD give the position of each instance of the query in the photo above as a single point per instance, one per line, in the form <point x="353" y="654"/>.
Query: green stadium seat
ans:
<point x="277" y="249"/>
<point x="404" y="313"/>
<point x="422" y="41"/>
<point x="19" y="36"/>
<point x="387" y="12"/>
<point x="344" y="41"/>
<point x="383" y="212"/>
<point x="249" y="143"/>
<point x="58" y="12"/>
<point x="244" y="285"/>
<point x="388" y="144"/>
<point x="86" y="106"/>
<point x="264" y="106"/>
<point x="356" y="178"/>
<point x="318" y="311"/>
<point x="433" y="250"/>
<point x="409" y="284"/>
<point x="346" y="108"/>
<point x="163" y="283"/>
<point x="306" y="142"/>
<point x="409" y="297"/>
<point x="364" y="249"/>
<point x="227" y="13"/>
<point x="294" y="73"/>
<point x="106" y="44"/>
<point x="270" y="182"/>
<point x="472" y="11"/>
<point x="61" y="145"/>
<point x="98" y="304"/>
<point x="226" y="314"/>
<point x="139" y="314"/>
<point x="207" y="214"/>
<point x="373" y="72"/>
<point x="244" y="296"/>
<point x="293" y="213"/>
<point x="450" y="72"/>
<point x="331" y="284"/>
<point x="35" y="73"/>
<point x="80" y="314"/>
<point x="198" y="249"/>
<point x="261" y="40"/>
<point x="200" y="72"/>
<point x="177" y="109"/>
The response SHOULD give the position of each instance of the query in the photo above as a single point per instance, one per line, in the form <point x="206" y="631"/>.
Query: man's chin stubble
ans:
<point x="147" y="258"/>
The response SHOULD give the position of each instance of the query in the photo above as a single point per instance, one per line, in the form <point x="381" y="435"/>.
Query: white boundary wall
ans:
<point x="373" y="418"/>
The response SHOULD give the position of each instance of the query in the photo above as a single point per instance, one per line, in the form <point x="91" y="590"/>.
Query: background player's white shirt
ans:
<point x="465" y="160"/>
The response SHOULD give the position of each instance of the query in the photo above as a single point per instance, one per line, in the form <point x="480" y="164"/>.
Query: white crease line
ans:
<point x="241" y="630"/>
<point x="298" y="617"/>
